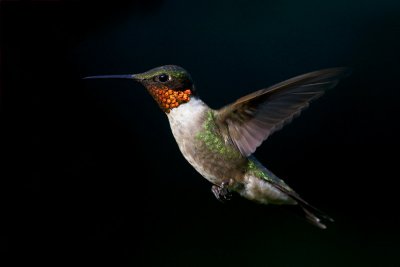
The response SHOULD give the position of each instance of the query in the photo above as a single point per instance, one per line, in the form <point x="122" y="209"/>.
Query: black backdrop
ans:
<point x="91" y="175"/>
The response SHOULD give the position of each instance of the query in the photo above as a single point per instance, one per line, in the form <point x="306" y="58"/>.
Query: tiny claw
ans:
<point x="222" y="193"/>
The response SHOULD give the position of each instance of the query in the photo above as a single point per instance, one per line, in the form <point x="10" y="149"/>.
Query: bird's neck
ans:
<point x="189" y="115"/>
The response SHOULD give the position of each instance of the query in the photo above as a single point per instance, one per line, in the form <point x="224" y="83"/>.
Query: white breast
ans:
<point x="186" y="121"/>
<point x="187" y="115"/>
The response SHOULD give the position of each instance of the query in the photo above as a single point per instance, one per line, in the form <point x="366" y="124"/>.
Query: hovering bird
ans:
<point x="219" y="143"/>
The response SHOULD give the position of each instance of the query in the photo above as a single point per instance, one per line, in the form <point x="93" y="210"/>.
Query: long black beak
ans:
<point x="124" y="76"/>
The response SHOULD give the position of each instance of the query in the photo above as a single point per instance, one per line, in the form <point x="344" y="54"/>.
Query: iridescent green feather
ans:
<point x="173" y="71"/>
<point x="255" y="168"/>
<point x="213" y="139"/>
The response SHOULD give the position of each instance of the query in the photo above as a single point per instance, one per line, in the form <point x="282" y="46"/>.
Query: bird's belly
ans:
<point x="211" y="165"/>
<point x="197" y="137"/>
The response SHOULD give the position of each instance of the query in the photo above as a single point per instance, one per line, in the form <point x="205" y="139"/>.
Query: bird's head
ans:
<point x="170" y="85"/>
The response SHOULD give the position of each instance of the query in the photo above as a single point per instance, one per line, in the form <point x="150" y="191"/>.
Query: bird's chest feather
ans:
<point x="195" y="132"/>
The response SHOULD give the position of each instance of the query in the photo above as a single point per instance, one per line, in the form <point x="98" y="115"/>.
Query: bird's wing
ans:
<point x="254" y="117"/>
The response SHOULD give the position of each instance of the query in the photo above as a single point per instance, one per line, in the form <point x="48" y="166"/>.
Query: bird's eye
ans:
<point x="163" y="78"/>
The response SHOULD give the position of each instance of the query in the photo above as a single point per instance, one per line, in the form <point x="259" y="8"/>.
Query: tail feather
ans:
<point x="312" y="214"/>
<point x="313" y="219"/>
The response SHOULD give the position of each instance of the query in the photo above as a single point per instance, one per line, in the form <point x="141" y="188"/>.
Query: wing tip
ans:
<point x="338" y="72"/>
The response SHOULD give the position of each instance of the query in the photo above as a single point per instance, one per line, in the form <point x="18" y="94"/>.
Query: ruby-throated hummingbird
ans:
<point x="219" y="143"/>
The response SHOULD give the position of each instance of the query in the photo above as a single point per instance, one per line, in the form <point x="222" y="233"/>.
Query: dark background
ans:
<point x="91" y="175"/>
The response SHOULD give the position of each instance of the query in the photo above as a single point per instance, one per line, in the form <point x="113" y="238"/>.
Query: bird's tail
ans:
<point x="311" y="213"/>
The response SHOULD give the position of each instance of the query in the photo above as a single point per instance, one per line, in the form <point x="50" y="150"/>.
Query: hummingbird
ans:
<point x="219" y="143"/>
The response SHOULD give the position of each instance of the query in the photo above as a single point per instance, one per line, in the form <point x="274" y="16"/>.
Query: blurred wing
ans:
<point x="254" y="117"/>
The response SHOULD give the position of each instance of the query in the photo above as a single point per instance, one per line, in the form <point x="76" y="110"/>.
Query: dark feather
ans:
<point x="254" y="117"/>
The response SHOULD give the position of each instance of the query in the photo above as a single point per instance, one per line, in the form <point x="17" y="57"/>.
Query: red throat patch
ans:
<point x="168" y="99"/>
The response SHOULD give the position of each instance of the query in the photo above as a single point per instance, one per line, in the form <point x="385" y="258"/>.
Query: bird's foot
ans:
<point x="222" y="192"/>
